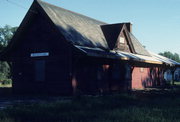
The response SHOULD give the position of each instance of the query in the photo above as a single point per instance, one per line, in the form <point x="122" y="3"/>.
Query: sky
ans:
<point x="156" y="23"/>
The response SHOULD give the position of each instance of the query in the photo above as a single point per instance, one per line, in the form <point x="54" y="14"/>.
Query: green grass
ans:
<point x="5" y="86"/>
<point x="136" y="107"/>
<point x="177" y="83"/>
<point x="6" y="83"/>
<point x="139" y="106"/>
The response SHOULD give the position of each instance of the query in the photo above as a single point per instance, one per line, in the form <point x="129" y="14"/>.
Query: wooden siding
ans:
<point x="42" y="37"/>
<point x="123" y="46"/>
<point x="96" y="77"/>
<point x="147" y="77"/>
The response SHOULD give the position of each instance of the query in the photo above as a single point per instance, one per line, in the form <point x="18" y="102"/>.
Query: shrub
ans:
<point x="6" y="82"/>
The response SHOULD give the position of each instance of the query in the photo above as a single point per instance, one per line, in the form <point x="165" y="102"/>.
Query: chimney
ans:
<point x="129" y="26"/>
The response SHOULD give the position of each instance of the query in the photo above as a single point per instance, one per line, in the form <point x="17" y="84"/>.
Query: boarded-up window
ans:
<point x="40" y="70"/>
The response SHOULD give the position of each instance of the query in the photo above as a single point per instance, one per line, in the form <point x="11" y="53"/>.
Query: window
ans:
<point x="40" y="70"/>
<point x="141" y="69"/>
<point x="122" y="40"/>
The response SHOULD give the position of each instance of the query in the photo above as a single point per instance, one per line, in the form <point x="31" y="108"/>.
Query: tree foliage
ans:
<point x="6" y="34"/>
<point x="170" y="55"/>
<point x="4" y="70"/>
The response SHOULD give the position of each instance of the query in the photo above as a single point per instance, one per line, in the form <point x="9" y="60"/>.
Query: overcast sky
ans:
<point x="156" y="23"/>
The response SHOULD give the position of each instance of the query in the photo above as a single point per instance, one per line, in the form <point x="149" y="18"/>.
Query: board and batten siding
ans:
<point x="42" y="60"/>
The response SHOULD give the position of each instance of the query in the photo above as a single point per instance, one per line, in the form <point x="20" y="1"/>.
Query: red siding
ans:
<point x="138" y="75"/>
<point x="147" y="77"/>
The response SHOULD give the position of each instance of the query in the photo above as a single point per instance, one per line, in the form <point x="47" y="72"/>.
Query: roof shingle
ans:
<point x="79" y="29"/>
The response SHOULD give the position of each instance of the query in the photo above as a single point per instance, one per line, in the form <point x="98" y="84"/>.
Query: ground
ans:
<point x="150" y="105"/>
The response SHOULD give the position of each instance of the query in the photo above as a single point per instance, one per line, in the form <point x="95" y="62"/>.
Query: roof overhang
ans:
<point x="134" y="59"/>
<point x="166" y="61"/>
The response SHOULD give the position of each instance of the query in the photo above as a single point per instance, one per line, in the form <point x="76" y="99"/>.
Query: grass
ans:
<point x="177" y="83"/>
<point x="6" y="83"/>
<point x="139" y="106"/>
<point x="5" y="86"/>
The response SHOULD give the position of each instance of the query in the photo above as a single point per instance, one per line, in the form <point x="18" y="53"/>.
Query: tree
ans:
<point x="6" y="34"/>
<point x="4" y="70"/>
<point x="176" y="57"/>
<point x="170" y="55"/>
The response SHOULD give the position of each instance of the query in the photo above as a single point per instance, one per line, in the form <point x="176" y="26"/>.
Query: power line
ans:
<point x="19" y="5"/>
<point x="16" y="4"/>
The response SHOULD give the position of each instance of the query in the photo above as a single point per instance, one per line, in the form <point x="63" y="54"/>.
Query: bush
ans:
<point x="4" y="70"/>
<point x="5" y="73"/>
<point x="6" y="82"/>
<point x="2" y="76"/>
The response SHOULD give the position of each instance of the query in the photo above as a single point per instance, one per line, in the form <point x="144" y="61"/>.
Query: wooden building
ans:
<point x="62" y="52"/>
<point x="154" y="76"/>
<point x="148" y="77"/>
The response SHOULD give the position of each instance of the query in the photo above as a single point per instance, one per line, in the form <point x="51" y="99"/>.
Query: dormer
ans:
<point x="117" y="36"/>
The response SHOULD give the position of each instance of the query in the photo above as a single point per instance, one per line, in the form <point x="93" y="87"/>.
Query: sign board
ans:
<point x="39" y="54"/>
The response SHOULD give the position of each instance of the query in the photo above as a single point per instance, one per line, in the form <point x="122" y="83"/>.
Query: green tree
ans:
<point x="1" y="47"/>
<point x="4" y="70"/>
<point x="6" y="34"/>
<point x="176" y="57"/>
<point x="170" y="55"/>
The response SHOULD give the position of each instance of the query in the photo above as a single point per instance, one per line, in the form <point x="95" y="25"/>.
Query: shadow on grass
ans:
<point x="5" y="91"/>
<point x="150" y="105"/>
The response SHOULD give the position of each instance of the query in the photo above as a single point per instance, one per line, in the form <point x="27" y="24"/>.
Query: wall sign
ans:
<point x="39" y="54"/>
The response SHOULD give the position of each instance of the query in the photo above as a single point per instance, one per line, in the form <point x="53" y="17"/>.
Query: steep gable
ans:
<point x="29" y="17"/>
<point x="124" y="42"/>
<point x="117" y="37"/>
<point x="120" y="38"/>
<point x="111" y="33"/>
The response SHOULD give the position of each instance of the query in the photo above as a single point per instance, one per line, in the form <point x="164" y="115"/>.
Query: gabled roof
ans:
<point x="111" y="33"/>
<point x="79" y="29"/>
<point x="86" y="34"/>
<point x="85" y="31"/>
<point x="138" y="47"/>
